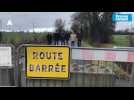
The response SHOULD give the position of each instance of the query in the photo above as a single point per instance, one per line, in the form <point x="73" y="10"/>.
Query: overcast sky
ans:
<point x="25" y="20"/>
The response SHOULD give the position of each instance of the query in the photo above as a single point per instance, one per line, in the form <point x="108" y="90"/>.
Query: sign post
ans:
<point x="49" y="62"/>
<point x="132" y="76"/>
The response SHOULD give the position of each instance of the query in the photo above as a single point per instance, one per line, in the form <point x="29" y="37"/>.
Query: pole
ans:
<point x="132" y="76"/>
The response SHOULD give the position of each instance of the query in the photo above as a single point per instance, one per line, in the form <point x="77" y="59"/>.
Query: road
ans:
<point x="122" y="83"/>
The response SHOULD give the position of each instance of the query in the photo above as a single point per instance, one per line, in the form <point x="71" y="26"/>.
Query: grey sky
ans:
<point x="25" y="20"/>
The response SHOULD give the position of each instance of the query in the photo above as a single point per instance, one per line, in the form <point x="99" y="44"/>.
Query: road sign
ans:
<point x="5" y="56"/>
<point x="48" y="62"/>
<point x="122" y="17"/>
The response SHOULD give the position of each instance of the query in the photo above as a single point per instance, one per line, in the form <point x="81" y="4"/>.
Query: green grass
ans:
<point x="85" y="44"/>
<point x="10" y="37"/>
<point x="120" y="40"/>
<point x="117" y="40"/>
<point x="18" y="37"/>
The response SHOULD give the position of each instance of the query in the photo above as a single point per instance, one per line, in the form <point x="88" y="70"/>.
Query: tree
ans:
<point x="60" y="25"/>
<point x="81" y="22"/>
<point x="95" y="26"/>
<point x="76" y="22"/>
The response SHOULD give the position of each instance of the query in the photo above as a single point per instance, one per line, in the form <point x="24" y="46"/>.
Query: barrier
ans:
<point x="88" y="68"/>
<point x="77" y="77"/>
<point x="13" y="72"/>
<point x="118" y="56"/>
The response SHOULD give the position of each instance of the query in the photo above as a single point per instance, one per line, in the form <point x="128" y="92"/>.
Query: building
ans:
<point x="9" y="26"/>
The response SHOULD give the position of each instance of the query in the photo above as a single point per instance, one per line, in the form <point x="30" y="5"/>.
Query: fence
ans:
<point x="86" y="70"/>
<point x="78" y="78"/>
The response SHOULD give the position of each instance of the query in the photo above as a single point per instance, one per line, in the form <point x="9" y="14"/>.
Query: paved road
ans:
<point x="122" y="83"/>
<point x="59" y="43"/>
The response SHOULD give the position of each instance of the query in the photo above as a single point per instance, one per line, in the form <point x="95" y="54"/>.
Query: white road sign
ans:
<point x="5" y="56"/>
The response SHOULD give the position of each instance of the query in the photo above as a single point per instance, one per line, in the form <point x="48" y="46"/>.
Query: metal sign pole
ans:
<point x="132" y="76"/>
<point x="18" y="69"/>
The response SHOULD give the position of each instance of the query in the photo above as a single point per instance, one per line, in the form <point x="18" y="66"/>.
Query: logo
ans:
<point x="122" y="17"/>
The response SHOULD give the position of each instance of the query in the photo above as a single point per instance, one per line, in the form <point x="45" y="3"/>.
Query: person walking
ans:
<point x="79" y="38"/>
<point x="73" y="39"/>
<point x="49" y="38"/>
<point x="62" y="38"/>
<point x="67" y="36"/>
<point x="56" y="38"/>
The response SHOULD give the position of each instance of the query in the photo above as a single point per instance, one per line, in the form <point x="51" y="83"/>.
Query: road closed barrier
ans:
<point x="115" y="55"/>
<point x="52" y="62"/>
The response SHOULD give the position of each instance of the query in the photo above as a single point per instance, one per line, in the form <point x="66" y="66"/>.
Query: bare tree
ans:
<point x="95" y="26"/>
<point x="59" y="25"/>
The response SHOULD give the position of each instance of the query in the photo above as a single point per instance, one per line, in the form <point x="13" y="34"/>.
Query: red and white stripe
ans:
<point x="104" y="55"/>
